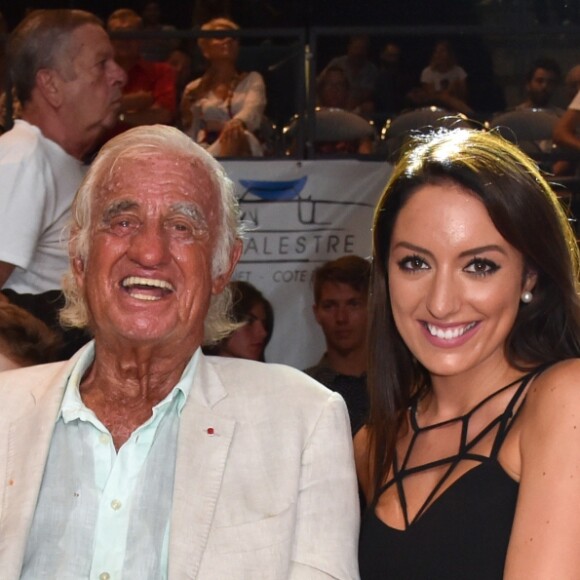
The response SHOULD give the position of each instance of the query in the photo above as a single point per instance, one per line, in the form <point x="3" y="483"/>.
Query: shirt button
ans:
<point x="104" y="576"/>
<point x="116" y="504"/>
<point x="104" y="438"/>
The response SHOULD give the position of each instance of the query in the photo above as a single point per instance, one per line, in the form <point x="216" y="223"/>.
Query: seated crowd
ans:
<point x="217" y="103"/>
<point x="203" y="89"/>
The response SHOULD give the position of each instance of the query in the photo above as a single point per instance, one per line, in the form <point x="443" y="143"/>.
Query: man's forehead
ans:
<point x="544" y="73"/>
<point x="332" y="289"/>
<point x="89" y="42"/>
<point x="158" y="173"/>
<point x="146" y="167"/>
<point x="90" y="35"/>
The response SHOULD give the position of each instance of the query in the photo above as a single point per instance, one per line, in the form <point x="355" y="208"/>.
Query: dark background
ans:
<point x="280" y="13"/>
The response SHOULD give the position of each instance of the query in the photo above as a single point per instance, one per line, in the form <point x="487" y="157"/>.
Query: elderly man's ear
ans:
<point x="78" y="271"/>
<point x="221" y="281"/>
<point x="77" y="263"/>
<point x="49" y="82"/>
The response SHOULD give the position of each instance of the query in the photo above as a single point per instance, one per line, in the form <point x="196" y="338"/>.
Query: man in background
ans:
<point x="62" y="66"/>
<point x="542" y="81"/>
<point x="340" y="308"/>
<point x="360" y="71"/>
<point x="149" y="95"/>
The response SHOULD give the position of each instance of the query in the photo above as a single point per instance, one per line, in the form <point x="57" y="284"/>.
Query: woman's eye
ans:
<point x="413" y="263"/>
<point x="481" y="267"/>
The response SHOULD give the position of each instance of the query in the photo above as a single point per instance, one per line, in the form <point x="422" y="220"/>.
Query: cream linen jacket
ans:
<point x="265" y="485"/>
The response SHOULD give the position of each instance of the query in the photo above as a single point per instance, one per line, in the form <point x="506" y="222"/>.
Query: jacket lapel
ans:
<point x="204" y="442"/>
<point x="26" y="441"/>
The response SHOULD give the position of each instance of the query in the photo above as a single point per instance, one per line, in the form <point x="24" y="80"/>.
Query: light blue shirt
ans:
<point x="105" y="515"/>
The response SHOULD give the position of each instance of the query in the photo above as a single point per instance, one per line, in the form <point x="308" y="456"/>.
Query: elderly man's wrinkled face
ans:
<point x="148" y="274"/>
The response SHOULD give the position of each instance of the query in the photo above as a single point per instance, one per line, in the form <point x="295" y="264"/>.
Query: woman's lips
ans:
<point x="449" y="335"/>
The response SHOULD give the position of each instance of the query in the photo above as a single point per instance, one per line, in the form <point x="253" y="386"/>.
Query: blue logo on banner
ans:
<point x="274" y="190"/>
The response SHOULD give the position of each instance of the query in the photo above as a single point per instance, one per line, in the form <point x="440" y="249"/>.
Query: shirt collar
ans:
<point x="324" y="365"/>
<point x="72" y="406"/>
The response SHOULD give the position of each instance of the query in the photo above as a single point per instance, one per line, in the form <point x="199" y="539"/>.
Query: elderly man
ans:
<point x="69" y="85"/>
<point x="141" y="458"/>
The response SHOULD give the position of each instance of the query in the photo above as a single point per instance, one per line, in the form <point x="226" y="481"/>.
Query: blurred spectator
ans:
<point x="24" y="340"/>
<point x="333" y="93"/>
<point x="255" y="314"/>
<point x="3" y="31"/>
<point x="63" y="70"/>
<point x="6" y="118"/>
<point x="224" y="108"/>
<point x="149" y="96"/>
<point x="8" y="110"/>
<point x="340" y="308"/>
<point x="566" y="134"/>
<point x="155" y="49"/>
<point x="572" y="83"/>
<point x="180" y="60"/>
<point x="390" y="57"/>
<point x="393" y="81"/>
<point x="333" y="88"/>
<point x="360" y="72"/>
<point x="443" y="81"/>
<point x="542" y="80"/>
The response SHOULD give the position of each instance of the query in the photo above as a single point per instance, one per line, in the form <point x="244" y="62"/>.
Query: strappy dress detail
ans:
<point x="461" y="529"/>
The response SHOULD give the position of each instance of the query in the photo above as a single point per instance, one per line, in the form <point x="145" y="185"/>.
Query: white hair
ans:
<point x="134" y="144"/>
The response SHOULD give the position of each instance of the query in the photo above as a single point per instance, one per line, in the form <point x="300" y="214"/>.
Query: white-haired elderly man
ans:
<point x="140" y="457"/>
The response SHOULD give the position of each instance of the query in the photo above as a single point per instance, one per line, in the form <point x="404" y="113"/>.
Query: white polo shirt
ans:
<point x="38" y="181"/>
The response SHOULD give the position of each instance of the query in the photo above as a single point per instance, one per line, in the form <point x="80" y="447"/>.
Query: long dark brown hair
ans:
<point x="529" y="216"/>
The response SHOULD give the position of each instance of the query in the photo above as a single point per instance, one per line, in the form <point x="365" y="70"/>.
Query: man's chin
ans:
<point x="343" y="348"/>
<point x="110" y="121"/>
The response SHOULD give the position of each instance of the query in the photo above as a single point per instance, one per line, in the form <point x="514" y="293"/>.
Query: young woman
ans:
<point x="471" y="458"/>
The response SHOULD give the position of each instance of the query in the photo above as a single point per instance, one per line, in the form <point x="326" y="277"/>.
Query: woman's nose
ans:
<point x="443" y="297"/>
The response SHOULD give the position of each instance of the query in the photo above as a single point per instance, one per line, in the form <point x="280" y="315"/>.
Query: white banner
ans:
<point x="301" y="214"/>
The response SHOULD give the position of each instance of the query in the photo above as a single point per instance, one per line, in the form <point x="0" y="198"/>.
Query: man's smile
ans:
<point x="147" y="288"/>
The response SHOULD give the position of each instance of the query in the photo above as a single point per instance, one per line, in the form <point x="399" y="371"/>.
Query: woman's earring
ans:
<point x="526" y="297"/>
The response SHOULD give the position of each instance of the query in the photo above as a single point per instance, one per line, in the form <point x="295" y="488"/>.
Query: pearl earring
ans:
<point x="526" y="297"/>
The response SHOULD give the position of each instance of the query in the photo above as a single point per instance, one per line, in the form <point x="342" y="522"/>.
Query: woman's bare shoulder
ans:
<point x="549" y="445"/>
<point x="552" y="403"/>
<point x="560" y="381"/>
